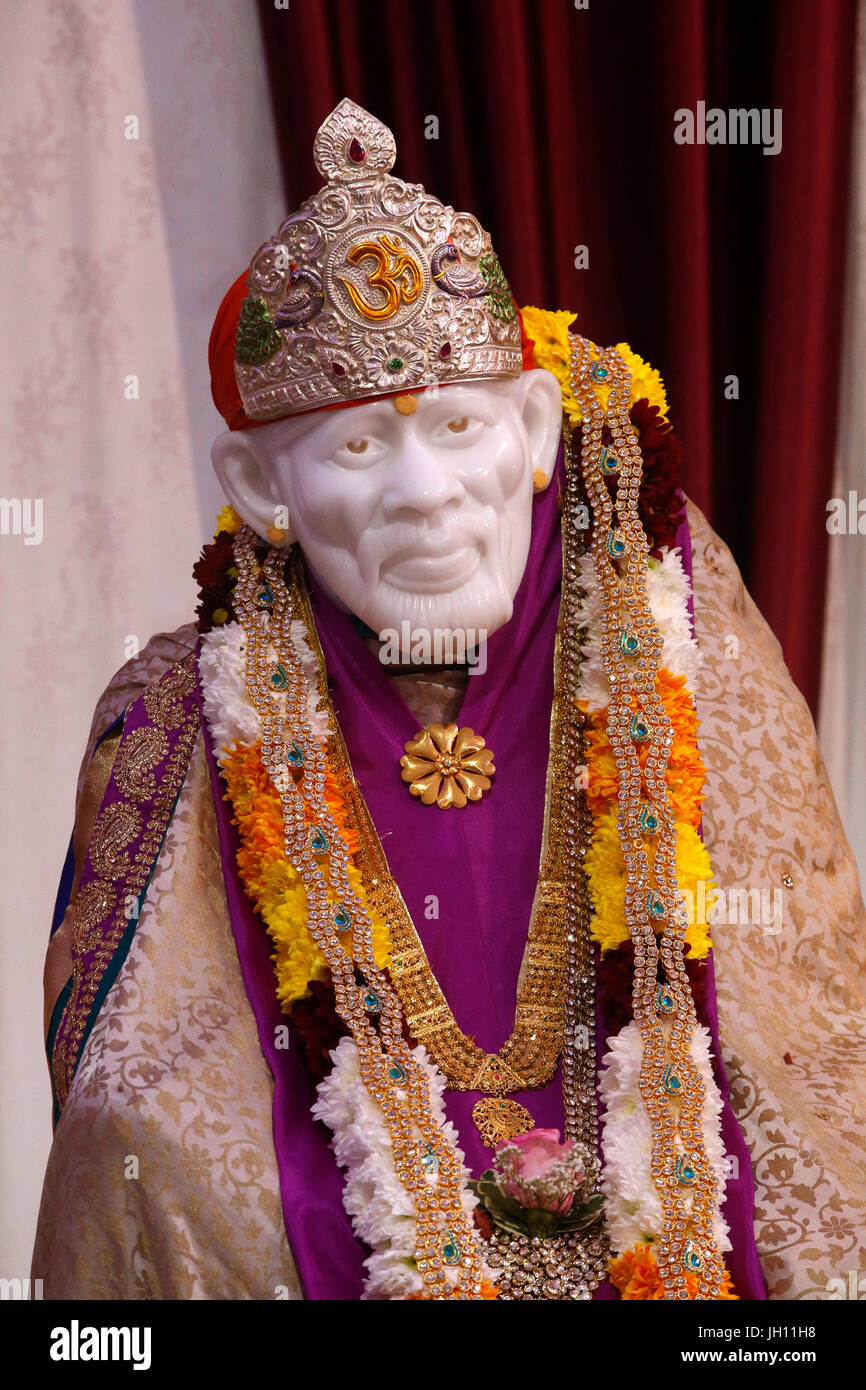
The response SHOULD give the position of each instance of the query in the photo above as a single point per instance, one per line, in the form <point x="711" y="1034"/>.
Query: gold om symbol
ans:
<point x="395" y="273"/>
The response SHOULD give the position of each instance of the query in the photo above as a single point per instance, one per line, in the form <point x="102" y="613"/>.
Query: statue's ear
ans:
<point x="540" y="402"/>
<point x="242" y="462"/>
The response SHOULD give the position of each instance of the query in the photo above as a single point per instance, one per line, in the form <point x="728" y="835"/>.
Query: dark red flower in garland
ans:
<point x="317" y="1028"/>
<point x="659" y="502"/>
<point x="215" y="574"/>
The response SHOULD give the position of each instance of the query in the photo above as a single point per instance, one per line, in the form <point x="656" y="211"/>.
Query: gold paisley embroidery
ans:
<point x="92" y="904"/>
<point x="139" y="754"/>
<point x="163" y="701"/>
<point x="115" y="829"/>
<point x="76" y="1015"/>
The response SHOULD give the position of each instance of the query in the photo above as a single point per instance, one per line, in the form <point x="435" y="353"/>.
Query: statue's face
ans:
<point x="422" y="517"/>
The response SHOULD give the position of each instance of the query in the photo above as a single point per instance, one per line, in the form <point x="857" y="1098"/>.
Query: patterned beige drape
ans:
<point x="115" y="253"/>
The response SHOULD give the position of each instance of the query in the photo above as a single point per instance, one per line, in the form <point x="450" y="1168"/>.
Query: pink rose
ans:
<point x="542" y="1172"/>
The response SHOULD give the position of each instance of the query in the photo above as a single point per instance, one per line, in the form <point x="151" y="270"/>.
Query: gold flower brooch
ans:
<point x="447" y="765"/>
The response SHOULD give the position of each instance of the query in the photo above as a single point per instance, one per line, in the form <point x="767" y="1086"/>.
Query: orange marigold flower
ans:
<point x="686" y="773"/>
<point x="635" y="1274"/>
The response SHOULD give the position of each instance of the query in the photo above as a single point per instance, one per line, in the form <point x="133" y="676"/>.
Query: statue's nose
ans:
<point x="421" y="480"/>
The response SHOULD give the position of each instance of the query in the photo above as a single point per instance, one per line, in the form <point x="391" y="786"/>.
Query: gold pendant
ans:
<point x="497" y="1118"/>
<point x="447" y="765"/>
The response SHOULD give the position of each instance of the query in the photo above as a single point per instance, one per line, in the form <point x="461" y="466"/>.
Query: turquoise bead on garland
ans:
<point x="451" y="1253"/>
<point x="648" y="821"/>
<point x="599" y="372"/>
<point x="615" y="544"/>
<point x="671" y="1083"/>
<point x="665" y="1002"/>
<point x="319" y="841"/>
<point x="342" y="920"/>
<point x="654" y="905"/>
<point x="638" y="729"/>
<point x="629" y="644"/>
<point x="685" y="1172"/>
<point x="295" y="756"/>
<point x="371" y="1001"/>
<point x="691" y="1258"/>
<point x="279" y="677"/>
<point x="265" y="597"/>
<point x="607" y="462"/>
<point x="398" y="1073"/>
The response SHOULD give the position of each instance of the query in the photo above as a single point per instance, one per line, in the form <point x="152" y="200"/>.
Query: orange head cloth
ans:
<point x="221" y="359"/>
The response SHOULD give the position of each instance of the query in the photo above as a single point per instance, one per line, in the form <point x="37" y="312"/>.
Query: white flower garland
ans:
<point x="380" y="1207"/>
<point x="633" y="1209"/>
<point x="231" y="715"/>
<point x="668" y="594"/>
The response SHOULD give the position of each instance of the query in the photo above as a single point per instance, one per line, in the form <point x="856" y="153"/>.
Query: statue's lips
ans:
<point x="425" y="568"/>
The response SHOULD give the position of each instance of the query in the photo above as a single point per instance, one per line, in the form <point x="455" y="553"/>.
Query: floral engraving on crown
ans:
<point x="352" y="145"/>
<point x="374" y="284"/>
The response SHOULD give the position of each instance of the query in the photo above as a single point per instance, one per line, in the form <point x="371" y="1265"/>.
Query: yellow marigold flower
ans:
<point x="636" y="1275"/>
<point x="228" y="520"/>
<point x="686" y="773"/>
<point x="276" y="891"/>
<point x="606" y="877"/>
<point x="549" y="330"/>
<point x="646" y="382"/>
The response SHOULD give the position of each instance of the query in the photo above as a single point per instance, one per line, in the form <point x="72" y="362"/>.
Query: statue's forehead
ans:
<point x="393" y="412"/>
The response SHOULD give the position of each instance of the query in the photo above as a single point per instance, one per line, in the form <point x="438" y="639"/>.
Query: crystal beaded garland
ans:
<point x="631" y="650"/>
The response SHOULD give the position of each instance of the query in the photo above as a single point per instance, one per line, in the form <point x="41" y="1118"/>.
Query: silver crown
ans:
<point x="372" y="286"/>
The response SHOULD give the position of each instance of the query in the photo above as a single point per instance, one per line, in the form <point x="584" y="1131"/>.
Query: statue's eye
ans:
<point x="458" y="426"/>
<point x="357" y="446"/>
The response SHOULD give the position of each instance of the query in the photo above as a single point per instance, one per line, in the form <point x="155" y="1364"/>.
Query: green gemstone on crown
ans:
<point x="394" y="364"/>
<point x="257" y="338"/>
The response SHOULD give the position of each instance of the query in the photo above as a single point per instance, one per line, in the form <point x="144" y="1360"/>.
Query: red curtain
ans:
<point x="556" y="128"/>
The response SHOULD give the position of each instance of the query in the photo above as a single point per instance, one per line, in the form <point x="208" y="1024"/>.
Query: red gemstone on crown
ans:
<point x="357" y="153"/>
<point x="445" y="351"/>
<point x="338" y="369"/>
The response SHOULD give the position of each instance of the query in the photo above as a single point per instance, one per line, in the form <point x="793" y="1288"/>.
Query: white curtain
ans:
<point x="842" y="715"/>
<point x="115" y="253"/>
